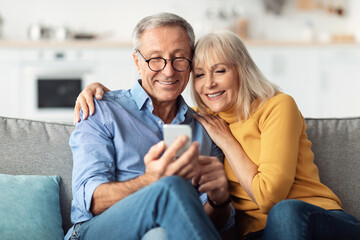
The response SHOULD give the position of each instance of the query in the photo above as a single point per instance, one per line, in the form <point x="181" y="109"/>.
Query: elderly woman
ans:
<point x="274" y="183"/>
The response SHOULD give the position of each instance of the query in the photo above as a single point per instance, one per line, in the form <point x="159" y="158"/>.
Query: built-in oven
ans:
<point x="50" y="86"/>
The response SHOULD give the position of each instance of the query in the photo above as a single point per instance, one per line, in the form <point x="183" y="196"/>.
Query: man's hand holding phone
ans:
<point x="186" y="164"/>
<point x="211" y="178"/>
<point x="171" y="132"/>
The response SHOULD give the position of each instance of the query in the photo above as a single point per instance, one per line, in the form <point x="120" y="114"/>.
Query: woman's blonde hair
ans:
<point x="227" y="47"/>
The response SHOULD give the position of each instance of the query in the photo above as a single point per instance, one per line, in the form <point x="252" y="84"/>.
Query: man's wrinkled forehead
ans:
<point x="161" y="36"/>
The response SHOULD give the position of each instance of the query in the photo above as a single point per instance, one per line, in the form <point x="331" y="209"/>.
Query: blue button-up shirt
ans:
<point x="111" y="144"/>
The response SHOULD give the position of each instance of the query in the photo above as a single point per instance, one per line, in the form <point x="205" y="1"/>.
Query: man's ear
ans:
<point x="137" y="62"/>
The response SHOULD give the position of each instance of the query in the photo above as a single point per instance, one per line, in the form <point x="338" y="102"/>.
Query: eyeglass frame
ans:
<point x="166" y="61"/>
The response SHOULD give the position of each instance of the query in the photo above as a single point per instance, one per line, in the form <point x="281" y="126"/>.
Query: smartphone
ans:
<point x="172" y="131"/>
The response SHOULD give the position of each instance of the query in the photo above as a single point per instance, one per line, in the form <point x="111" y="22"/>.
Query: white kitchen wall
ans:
<point x="120" y="17"/>
<point x="323" y="78"/>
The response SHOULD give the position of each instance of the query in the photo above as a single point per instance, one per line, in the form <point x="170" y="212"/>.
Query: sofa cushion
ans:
<point x="30" y="207"/>
<point x="30" y="147"/>
<point x="41" y="148"/>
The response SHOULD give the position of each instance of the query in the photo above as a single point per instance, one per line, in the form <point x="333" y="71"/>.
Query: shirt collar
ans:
<point x="139" y="94"/>
<point x="182" y="110"/>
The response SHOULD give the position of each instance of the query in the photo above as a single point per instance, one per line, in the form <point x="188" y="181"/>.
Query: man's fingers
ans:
<point x="212" y="176"/>
<point x="188" y="156"/>
<point x="211" y="186"/>
<point x="210" y="169"/>
<point x="154" y="152"/>
<point x="212" y="181"/>
<point x="206" y="159"/>
<point x="195" y="180"/>
<point x="186" y="165"/>
<point x="174" y="148"/>
<point x="188" y="172"/>
<point x="207" y="163"/>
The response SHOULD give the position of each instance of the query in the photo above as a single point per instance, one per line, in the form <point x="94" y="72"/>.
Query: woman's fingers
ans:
<point x="99" y="93"/>
<point x="89" y="101"/>
<point x="81" y="103"/>
<point x="77" y="112"/>
<point x="202" y="119"/>
<point x="85" y="100"/>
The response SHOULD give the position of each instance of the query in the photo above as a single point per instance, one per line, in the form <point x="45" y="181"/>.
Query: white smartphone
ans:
<point x="172" y="131"/>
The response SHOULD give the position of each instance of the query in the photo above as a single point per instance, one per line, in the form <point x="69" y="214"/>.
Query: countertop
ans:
<point x="128" y="44"/>
<point x="63" y="44"/>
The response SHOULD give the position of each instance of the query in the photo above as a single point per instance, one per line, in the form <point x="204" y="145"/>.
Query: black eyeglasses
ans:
<point x="156" y="64"/>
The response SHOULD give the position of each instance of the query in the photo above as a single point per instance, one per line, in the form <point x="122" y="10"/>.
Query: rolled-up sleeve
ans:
<point x="93" y="160"/>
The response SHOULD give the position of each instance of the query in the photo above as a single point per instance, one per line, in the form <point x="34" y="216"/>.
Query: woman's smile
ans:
<point x="214" y="96"/>
<point x="217" y="85"/>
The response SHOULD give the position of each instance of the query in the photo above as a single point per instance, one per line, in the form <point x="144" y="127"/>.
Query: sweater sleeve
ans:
<point x="280" y="124"/>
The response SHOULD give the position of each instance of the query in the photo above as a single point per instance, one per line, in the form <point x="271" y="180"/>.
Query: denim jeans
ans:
<point x="171" y="203"/>
<point x="158" y="233"/>
<point x="295" y="219"/>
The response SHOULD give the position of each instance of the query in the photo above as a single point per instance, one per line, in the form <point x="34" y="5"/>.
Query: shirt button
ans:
<point x="150" y="103"/>
<point x="160" y="122"/>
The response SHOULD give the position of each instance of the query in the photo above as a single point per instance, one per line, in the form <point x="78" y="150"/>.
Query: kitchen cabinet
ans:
<point x="21" y="69"/>
<point x="323" y="80"/>
<point x="294" y="70"/>
<point x="340" y="82"/>
<point x="116" y="68"/>
<point x="9" y="75"/>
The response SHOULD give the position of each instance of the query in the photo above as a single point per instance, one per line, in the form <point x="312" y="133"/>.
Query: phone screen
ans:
<point x="172" y="131"/>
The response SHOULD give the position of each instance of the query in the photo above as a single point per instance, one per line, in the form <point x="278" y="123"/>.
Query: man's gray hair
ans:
<point x="162" y="20"/>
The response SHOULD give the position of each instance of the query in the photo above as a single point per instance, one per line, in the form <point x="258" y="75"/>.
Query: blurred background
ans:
<point x="50" y="50"/>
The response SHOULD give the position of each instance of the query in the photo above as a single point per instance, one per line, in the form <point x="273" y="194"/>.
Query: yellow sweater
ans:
<point x="274" y="139"/>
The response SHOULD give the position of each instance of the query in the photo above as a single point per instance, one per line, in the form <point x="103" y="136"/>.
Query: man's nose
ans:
<point x="168" y="69"/>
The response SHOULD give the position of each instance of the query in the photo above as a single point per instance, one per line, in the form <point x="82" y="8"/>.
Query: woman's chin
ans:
<point x="216" y="109"/>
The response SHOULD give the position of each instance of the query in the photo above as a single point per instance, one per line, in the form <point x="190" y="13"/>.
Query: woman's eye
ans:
<point x="198" y="75"/>
<point x="220" y="71"/>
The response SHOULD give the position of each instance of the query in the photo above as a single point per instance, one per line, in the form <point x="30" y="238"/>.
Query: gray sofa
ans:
<point x="30" y="147"/>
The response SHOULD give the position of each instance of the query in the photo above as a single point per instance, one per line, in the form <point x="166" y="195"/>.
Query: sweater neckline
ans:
<point x="229" y="115"/>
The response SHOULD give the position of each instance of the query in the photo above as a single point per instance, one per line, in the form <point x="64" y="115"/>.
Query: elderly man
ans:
<point x="125" y="182"/>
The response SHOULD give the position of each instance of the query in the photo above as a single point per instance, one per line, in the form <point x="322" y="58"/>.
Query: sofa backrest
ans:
<point x="30" y="147"/>
<point x="336" y="145"/>
<point x="35" y="147"/>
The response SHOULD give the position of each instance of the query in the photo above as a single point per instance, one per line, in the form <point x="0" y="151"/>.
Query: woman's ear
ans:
<point x="137" y="62"/>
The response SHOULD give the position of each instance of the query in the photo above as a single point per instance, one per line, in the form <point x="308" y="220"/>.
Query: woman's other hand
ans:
<point x="217" y="128"/>
<point x="243" y="168"/>
<point x="85" y="100"/>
